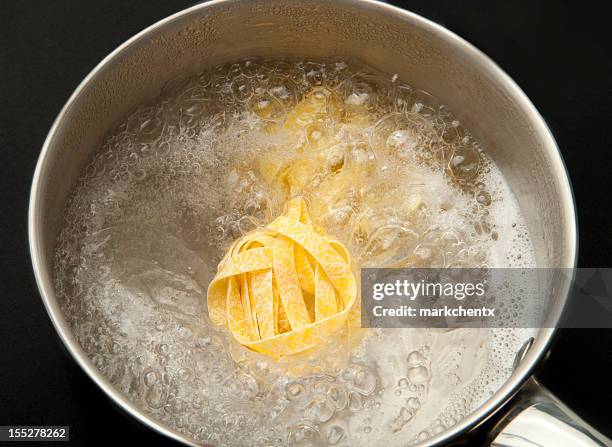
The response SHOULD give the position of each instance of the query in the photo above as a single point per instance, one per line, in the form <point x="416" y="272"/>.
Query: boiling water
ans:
<point x="384" y="167"/>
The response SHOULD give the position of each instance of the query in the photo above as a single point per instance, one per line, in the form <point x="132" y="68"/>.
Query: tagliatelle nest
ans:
<point x="284" y="288"/>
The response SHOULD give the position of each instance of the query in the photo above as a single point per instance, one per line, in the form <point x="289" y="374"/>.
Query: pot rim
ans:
<point x="44" y="277"/>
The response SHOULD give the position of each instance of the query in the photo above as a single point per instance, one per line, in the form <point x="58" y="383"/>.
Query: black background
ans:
<point x="560" y="53"/>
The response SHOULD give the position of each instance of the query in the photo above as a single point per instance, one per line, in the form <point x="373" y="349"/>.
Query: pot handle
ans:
<point x="537" y="418"/>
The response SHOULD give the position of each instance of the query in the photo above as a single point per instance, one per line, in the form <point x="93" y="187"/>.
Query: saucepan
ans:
<point x="392" y="40"/>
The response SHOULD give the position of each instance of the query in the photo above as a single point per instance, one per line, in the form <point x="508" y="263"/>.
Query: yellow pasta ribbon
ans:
<point x="284" y="288"/>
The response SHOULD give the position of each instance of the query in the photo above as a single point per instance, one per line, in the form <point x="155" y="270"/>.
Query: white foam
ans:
<point x="173" y="185"/>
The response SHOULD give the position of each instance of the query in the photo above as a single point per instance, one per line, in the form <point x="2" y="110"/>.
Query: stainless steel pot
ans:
<point x="426" y="55"/>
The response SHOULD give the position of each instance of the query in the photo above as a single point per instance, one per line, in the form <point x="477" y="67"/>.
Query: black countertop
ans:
<point x="560" y="53"/>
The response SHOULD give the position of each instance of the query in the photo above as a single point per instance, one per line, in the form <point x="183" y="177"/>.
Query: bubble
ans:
<point x="404" y="416"/>
<point x="267" y="107"/>
<point x="417" y="374"/>
<point x="303" y="435"/>
<point x="245" y="385"/>
<point x="355" y="401"/>
<point x="156" y="396"/>
<point x="281" y="92"/>
<point x="484" y="198"/>
<point x="335" y="434"/>
<point x="151" y="377"/>
<point x="423" y="436"/>
<point x="338" y="397"/>
<point x="388" y="244"/>
<point x="402" y="141"/>
<point x="464" y="164"/>
<point x="357" y="99"/>
<point x="364" y="381"/>
<point x="415" y="358"/>
<point x="241" y="88"/>
<point x="438" y="427"/>
<point x="335" y="158"/>
<point x="295" y="391"/>
<point x="347" y="373"/>
<point x="413" y="403"/>
<point x="321" y="387"/>
<point x="197" y="402"/>
<point x="163" y="349"/>
<point x="319" y="410"/>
